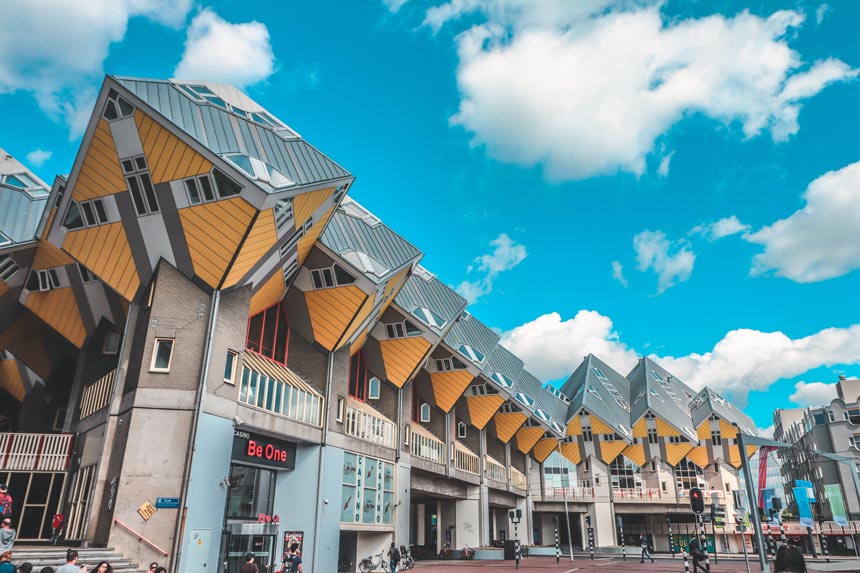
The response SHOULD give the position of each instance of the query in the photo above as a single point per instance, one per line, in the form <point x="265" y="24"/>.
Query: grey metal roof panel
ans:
<point x="708" y="402"/>
<point x="20" y="210"/>
<point x="602" y="391"/>
<point x="505" y="362"/>
<point x="425" y="290"/>
<point x="654" y="388"/>
<point x="469" y="330"/>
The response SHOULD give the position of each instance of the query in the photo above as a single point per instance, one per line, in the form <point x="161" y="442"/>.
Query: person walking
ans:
<point x="643" y="541"/>
<point x="152" y="567"/>
<point x="103" y="567"/>
<point x="71" y="565"/>
<point x="249" y="566"/>
<point x="293" y="562"/>
<point x="7" y="535"/>
<point x="393" y="557"/>
<point x="697" y="550"/>
<point x="6" y="565"/>
<point x="5" y="501"/>
<point x="789" y="559"/>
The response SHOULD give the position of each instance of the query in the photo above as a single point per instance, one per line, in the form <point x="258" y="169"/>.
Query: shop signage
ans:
<point x="167" y="502"/>
<point x="263" y="518"/>
<point x="291" y="537"/>
<point x="260" y="450"/>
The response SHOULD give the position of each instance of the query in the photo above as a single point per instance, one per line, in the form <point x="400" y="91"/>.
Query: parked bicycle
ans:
<point x="370" y="564"/>
<point x="467" y="553"/>
<point x="406" y="560"/>
<point x="344" y="565"/>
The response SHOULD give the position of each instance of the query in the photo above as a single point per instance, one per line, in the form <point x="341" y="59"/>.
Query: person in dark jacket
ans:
<point x="249" y="566"/>
<point x="789" y="559"/>
<point x="697" y="552"/>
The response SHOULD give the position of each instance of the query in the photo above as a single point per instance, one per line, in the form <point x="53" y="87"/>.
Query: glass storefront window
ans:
<point x="252" y="492"/>
<point x="367" y="491"/>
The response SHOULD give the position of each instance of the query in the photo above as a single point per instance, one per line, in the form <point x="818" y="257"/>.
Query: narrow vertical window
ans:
<point x="230" y="367"/>
<point x="162" y="355"/>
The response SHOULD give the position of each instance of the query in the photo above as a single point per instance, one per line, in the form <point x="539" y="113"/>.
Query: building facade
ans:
<point x="208" y="349"/>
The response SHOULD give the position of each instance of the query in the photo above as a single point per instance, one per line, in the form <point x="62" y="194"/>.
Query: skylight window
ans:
<point x="428" y="317"/>
<point x="542" y="415"/>
<point x="25" y="183"/>
<point x="4" y="240"/>
<point x="523" y="399"/>
<point x="502" y="380"/>
<point x="557" y="427"/>
<point x="256" y="169"/>
<point x="471" y="353"/>
<point x="557" y="393"/>
<point x="656" y="375"/>
<point x="593" y="391"/>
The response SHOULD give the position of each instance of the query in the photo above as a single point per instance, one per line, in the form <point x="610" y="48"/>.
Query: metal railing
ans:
<point x="571" y="492"/>
<point x="35" y="452"/>
<point x="360" y="423"/>
<point x="465" y="460"/>
<point x="427" y="446"/>
<point x="97" y="395"/>
<point x="638" y="493"/>
<point x="518" y="478"/>
<point x="142" y="538"/>
<point x="495" y="470"/>
<point x="706" y="493"/>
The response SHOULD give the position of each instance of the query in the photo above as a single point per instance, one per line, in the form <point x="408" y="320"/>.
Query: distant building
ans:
<point x="833" y="429"/>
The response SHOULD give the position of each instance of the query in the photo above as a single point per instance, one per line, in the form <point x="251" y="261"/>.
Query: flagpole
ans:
<point x="751" y="497"/>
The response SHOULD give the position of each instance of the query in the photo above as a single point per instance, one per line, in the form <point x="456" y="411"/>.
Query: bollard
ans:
<point x="557" y="547"/>
<point x="621" y="530"/>
<point x="517" y="547"/>
<point x="824" y="548"/>
<point x="671" y="539"/>
<point x="686" y="563"/>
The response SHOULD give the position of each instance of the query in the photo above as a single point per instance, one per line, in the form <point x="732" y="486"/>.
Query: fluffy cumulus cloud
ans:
<point x="813" y="393"/>
<point x="38" y="157"/>
<point x="722" y="228"/>
<point x="588" y="88"/>
<point x="55" y="49"/>
<point x="672" y="260"/>
<point x="618" y="273"/>
<point x="819" y="241"/>
<point x="220" y="51"/>
<point x="506" y="255"/>
<point x="552" y="348"/>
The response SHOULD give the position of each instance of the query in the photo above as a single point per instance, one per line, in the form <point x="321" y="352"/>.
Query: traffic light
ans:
<point x="697" y="501"/>
<point x="718" y="516"/>
<point x="588" y="520"/>
<point x="668" y="521"/>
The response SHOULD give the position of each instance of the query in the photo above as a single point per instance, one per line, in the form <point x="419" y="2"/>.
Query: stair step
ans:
<point x="89" y="556"/>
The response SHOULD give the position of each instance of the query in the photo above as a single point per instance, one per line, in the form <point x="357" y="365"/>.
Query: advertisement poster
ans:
<point x="291" y="537"/>
<point x="833" y="493"/>
<point x="804" y="509"/>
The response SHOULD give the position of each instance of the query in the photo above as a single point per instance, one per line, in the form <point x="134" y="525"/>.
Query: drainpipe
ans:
<point x="192" y="442"/>
<point x="318" y="514"/>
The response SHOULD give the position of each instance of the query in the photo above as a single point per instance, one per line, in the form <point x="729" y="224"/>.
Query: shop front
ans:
<point x="251" y="522"/>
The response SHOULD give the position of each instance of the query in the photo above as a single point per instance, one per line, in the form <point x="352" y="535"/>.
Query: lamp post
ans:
<point x="516" y="515"/>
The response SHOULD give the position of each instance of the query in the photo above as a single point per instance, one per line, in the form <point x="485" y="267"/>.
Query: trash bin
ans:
<point x="510" y="550"/>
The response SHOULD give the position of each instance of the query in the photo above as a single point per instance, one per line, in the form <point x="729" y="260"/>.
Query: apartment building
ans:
<point x="832" y="429"/>
<point x="207" y="348"/>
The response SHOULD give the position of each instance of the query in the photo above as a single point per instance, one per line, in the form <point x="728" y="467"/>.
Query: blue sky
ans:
<point x="565" y="164"/>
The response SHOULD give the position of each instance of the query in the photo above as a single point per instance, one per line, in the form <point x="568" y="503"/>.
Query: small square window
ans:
<point x="230" y="367"/>
<point x="162" y="355"/>
<point x="373" y="388"/>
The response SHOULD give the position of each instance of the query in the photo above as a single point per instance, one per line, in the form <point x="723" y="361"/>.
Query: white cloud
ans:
<point x="765" y="433"/>
<point x="506" y="255"/>
<point x="671" y="260"/>
<point x="55" y="49"/>
<point x="38" y="157"/>
<point x="663" y="169"/>
<point x="722" y="228"/>
<point x="220" y="51"/>
<point x="618" y="273"/>
<point x="813" y="393"/>
<point x="587" y="88"/>
<point x="819" y="241"/>
<point x="394" y="5"/>
<point x="552" y="348"/>
<point x="820" y="12"/>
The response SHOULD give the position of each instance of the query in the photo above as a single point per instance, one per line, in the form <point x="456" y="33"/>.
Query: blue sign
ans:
<point x="810" y="491"/>
<point x="804" y="510"/>
<point x="167" y="502"/>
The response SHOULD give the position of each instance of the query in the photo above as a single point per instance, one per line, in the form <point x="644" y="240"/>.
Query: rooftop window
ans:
<point x="202" y="94"/>
<point x="25" y="183"/>
<point x="117" y="108"/>
<point x="542" y="415"/>
<point x="501" y="379"/>
<point x="259" y="170"/>
<point x="557" y="393"/>
<point x="333" y="276"/>
<point x="471" y="353"/>
<point x="428" y="317"/>
<point x="524" y="400"/>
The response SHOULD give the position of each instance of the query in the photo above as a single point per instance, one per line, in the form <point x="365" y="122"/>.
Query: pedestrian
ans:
<point x="643" y="541"/>
<point x="47" y="570"/>
<point x="393" y="557"/>
<point x="71" y="565"/>
<point x="249" y="566"/>
<point x="5" y="501"/>
<point x="7" y="535"/>
<point x="157" y="570"/>
<point x="789" y="559"/>
<point x="697" y="553"/>
<point x="293" y="563"/>
<point x="103" y="567"/>
<point x="25" y="567"/>
<point x="6" y="565"/>
<point x="152" y="567"/>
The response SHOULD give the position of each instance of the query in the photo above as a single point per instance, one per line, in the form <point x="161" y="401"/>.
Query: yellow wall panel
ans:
<point x="358" y="344"/>
<point x="751" y="450"/>
<point x="104" y="250"/>
<point x="401" y="356"/>
<point x="48" y="257"/>
<point x="704" y="430"/>
<point x="635" y="453"/>
<point x="640" y="429"/>
<point x="48" y="223"/>
<point x="360" y="317"/>
<point x="571" y="451"/>
<point x="259" y="240"/>
<point x="10" y="380"/>
<point x="676" y="452"/>
<point x="306" y="204"/>
<point x="100" y="173"/>
<point x="24" y="339"/>
<point x="169" y="158"/>
<point x="544" y="448"/>
<point x="699" y="456"/>
<point x="611" y="450"/>
<point x="574" y="427"/>
<point x="331" y="311"/>
<point x="448" y="387"/>
<point x="527" y="438"/>
<point x="213" y="232"/>
<point x="666" y="429"/>
<point x="598" y="426"/>
<point x="59" y="309"/>
<point x="508" y="424"/>
<point x="482" y="408"/>
<point x="727" y="430"/>
<point x="307" y="242"/>
<point x="735" y="456"/>
<point x="269" y="294"/>
<point x="3" y="288"/>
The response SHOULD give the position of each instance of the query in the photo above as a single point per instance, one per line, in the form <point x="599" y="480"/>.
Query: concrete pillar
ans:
<point x="468" y="519"/>
<point x="508" y="463"/>
<point x="420" y="524"/>
<point x="603" y="522"/>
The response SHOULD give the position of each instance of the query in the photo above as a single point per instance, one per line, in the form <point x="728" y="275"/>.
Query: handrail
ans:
<point x="142" y="538"/>
<point x="518" y="478"/>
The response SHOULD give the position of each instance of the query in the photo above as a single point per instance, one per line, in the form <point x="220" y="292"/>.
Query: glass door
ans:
<point x="235" y="546"/>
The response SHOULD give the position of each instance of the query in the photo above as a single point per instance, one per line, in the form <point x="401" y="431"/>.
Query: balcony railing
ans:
<point x="427" y="446"/>
<point x="495" y="470"/>
<point x="638" y="493"/>
<point x="365" y="423"/>
<point x="518" y="478"/>
<point x="706" y="493"/>
<point x="465" y="460"/>
<point x="35" y="452"/>
<point x="570" y="492"/>
<point x="97" y="395"/>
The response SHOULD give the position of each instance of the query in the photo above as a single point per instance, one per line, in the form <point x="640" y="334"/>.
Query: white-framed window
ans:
<point x="448" y="364"/>
<point x="111" y="341"/>
<point x="652" y="436"/>
<point x="341" y="403"/>
<point x="587" y="466"/>
<point x="140" y="185"/>
<point x="508" y="408"/>
<point x="524" y="400"/>
<point x="428" y="317"/>
<point x="8" y="267"/>
<point x="257" y="169"/>
<point x="403" y="329"/>
<point x="471" y="353"/>
<point x="85" y="214"/>
<point x="425" y="413"/>
<point x="557" y="427"/>
<point x="716" y="438"/>
<point x="479" y="389"/>
<point x="674" y="439"/>
<point x="557" y="393"/>
<point x="407" y="434"/>
<point x="162" y="355"/>
<point x="206" y="188"/>
<point x="542" y="415"/>
<point x="830" y="416"/>
<point x="283" y="213"/>
<point x="609" y="437"/>
<point x="461" y="430"/>
<point x="333" y="276"/>
<point x="586" y="434"/>
<point x="86" y="275"/>
<point x="502" y="380"/>
<point x="373" y="387"/>
<point x="116" y="107"/>
<point x="43" y="280"/>
<point x="230" y="366"/>
<point x="59" y="420"/>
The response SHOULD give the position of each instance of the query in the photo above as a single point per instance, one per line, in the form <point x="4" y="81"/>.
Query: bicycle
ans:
<point x="406" y="560"/>
<point x="344" y="565"/>
<point x="370" y="564"/>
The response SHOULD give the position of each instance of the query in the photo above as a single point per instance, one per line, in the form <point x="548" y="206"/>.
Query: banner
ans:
<point x="804" y="509"/>
<point x="833" y="493"/>
<point x="762" y="473"/>
<point x="810" y="491"/>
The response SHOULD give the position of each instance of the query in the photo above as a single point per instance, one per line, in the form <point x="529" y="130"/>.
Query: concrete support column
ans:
<point x="603" y="522"/>
<point x="468" y="518"/>
<point x="420" y="524"/>
<point x="508" y="464"/>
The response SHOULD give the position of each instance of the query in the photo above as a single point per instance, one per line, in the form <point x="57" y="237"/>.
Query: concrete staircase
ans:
<point x="56" y="556"/>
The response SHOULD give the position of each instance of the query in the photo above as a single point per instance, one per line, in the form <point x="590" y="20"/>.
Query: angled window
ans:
<point x="111" y="341"/>
<point x="269" y="334"/>
<point x="4" y="240"/>
<point x="226" y="186"/>
<point x="358" y="377"/>
<point x="542" y="415"/>
<point x="329" y="277"/>
<point x="508" y="408"/>
<point x="45" y="280"/>
<point x="502" y="380"/>
<point x="230" y="363"/>
<point x="403" y="329"/>
<point x="93" y="212"/>
<point x="73" y="219"/>
<point x="8" y="268"/>
<point x="162" y="355"/>
<point x="259" y="170"/>
<point x="428" y="317"/>
<point x="479" y="389"/>
<point x="373" y="389"/>
<point x="471" y="353"/>
<point x="557" y="427"/>
<point x="461" y="430"/>
<point x="116" y="107"/>
<point x="339" y="193"/>
<point x="716" y="438"/>
<point x="652" y="436"/>
<point x="283" y="213"/>
<point x="656" y="376"/>
<point x="586" y="434"/>
<point x="557" y="393"/>
<point x="290" y="270"/>
<point x="649" y="415"/>
<point x="140" y="185"/>
<point x="524" y="400"/>
<point x="86" y="275"/>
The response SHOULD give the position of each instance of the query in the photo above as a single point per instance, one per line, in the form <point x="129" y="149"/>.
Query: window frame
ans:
<point x="155" y="346"/>
<point x="142" y="195"/>
<point x="108" y="336"/>
<point x="46" y="279"/>
<point x="461" y="430"/>
<point x="320" y="282"/>
<point x="234" y="367"/>
<point x="421" y="409"/>
<point x="8" y="267"/>
<point x="371" y="382"/>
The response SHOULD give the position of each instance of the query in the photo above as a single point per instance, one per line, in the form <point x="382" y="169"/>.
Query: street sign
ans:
<point x="167" y="502"/>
